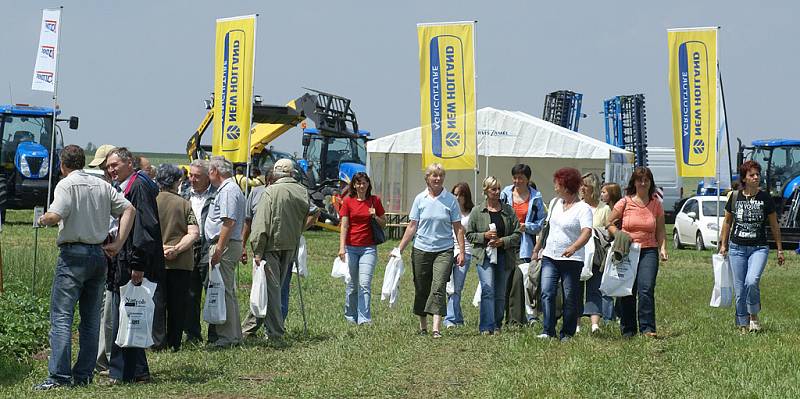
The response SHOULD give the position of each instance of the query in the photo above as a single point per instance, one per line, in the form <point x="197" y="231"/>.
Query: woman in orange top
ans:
<point x="642" y="218"/>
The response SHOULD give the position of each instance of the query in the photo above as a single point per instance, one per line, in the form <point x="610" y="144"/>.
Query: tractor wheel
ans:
<point x="3" y="198"/>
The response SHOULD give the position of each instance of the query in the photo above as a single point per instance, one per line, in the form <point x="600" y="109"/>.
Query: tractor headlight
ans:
<point x="24" y="167"/>
<point x="713" y="226"/>
<point x="44" y="170"/>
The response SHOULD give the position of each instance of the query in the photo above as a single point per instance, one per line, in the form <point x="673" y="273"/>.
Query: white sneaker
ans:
<point x="577" y="329"/>
<point x="543" y="336"/>
<point x="595" y="328"/>
<point x="755" y="326"/>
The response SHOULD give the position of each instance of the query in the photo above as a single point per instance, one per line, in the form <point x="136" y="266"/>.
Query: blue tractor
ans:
<point x="27" y="137"/>
<point x="780" y="163"/>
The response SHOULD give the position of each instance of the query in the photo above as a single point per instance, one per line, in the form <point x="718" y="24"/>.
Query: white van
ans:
<point x="661" y="161"/>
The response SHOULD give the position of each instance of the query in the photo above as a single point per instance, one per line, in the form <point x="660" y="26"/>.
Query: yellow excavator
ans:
<point x="333" y="151"/>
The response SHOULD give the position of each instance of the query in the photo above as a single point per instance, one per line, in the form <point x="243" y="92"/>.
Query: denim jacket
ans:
<point x="533" y="221"/>
<point x="479" y="223"/>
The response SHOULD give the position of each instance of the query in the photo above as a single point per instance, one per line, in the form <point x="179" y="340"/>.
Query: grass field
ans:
<point x="698" y="354"/>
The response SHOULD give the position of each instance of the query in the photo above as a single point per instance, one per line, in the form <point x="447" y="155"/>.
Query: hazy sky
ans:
<point x="136" y="72"/>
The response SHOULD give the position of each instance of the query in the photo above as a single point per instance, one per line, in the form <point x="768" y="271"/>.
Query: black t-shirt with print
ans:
<point x="750" y="218"/>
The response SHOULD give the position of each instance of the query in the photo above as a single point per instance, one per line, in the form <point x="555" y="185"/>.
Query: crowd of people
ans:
<point x="129" y="221"/>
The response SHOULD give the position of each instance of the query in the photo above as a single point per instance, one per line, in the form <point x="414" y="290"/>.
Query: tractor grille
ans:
<point x="35" y="163"/>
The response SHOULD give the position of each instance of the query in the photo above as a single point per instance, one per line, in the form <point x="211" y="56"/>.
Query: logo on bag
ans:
<point x="49" y="51"/>
<point x="50" y="25"/>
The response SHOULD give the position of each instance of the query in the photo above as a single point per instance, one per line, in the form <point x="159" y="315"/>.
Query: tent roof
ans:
<point x="513" y="134"/>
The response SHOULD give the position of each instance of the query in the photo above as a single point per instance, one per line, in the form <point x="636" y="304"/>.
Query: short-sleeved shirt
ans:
<point x="359" y="234"/>
<point x="85" y="203"/>
<point x="640" y="221"/>
<point x="467" y="245"/>
<point x="601" y="214"/>
<point x="435" y="217"/>
<point x="750" y="217"/>
<point x="230" y="204"/>
<point x="565" y="229"/>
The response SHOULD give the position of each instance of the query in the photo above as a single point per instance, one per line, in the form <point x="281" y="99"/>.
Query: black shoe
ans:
<point x="422" y="332"/>
<point x="49" y="384"/>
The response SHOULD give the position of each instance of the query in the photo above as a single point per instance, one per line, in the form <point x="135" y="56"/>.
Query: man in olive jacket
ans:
<point x="278" y="223"/>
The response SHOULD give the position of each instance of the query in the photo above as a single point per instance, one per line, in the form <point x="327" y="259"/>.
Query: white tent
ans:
<point x="505" y="138"/>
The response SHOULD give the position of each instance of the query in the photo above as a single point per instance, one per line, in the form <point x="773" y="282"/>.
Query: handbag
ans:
<point x="378" y="236"/>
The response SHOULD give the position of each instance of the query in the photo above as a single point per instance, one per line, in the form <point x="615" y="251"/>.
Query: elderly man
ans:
<point x="141" y="257"/>
<point x="201" y="195"/>
<point x="277" y="225"/>
<point x="223" y="229"/>
<point x="82" y="206"/>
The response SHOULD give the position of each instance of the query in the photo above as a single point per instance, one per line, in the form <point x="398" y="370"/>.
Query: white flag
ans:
<point x="44" y="73"/>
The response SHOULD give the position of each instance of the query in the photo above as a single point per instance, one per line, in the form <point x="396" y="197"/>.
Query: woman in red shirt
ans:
<point x="358" y="209"/>
<point x="642" y="219"/>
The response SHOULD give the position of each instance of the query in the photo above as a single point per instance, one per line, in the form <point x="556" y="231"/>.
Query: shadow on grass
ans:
<point x="12" y="371"/>
<point x="294" y="338"/>
<point x="190" y="374"/>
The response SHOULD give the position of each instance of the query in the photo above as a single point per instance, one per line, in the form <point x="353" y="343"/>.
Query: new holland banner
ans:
<point x="44" y="72"/>
<point x="693" y="88"/>
<point x="234" y="60"/>
<point x="447" y="94"/>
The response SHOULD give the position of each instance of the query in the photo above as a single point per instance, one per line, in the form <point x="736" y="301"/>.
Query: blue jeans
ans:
<point x="361" y="261"/>
<point x="569" y="272"/>
<point x="593" y="303"/>
<point x="748" y="264"/>
<point x="611" y="308"/>
<point x="493" y="280"/>
<point x="644" y="288"/>
<point x="454" y="315"/>
<point x="80" y="278"/>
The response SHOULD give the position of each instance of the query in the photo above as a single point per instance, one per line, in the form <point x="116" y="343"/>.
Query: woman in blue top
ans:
<point x="528" y="207"/>
<point x="435" y="215"/>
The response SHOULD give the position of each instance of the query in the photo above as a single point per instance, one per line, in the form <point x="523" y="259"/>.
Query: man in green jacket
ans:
<point x="277" y="225"/>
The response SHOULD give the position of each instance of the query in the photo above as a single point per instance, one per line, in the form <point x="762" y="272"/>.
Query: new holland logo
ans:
<point x="696" y="91"/>
<point x="233" y="132"/>
<point x="50" y="25"/>
<point x="698" y="146"/>
<point x="448" y="99"/>
<point x="49" y="51"/>
<point x="44" y="76"/>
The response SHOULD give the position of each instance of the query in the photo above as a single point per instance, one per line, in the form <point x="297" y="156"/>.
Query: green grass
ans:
<point x="699" y="353"/>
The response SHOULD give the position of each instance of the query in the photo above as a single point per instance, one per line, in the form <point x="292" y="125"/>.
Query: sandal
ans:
<point x="437" y="334"/>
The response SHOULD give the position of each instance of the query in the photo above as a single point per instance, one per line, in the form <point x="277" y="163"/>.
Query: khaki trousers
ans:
<point x="229" y="333"/>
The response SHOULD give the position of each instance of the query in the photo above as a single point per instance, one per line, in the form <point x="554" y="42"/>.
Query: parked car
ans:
<point x="697" y="223"/>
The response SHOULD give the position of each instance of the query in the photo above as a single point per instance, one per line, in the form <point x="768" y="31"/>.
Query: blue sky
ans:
<point x="137" y="72"/>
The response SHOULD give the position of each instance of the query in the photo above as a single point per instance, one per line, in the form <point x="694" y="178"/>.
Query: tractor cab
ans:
<point x="25" y="148"/>
<point x="780" y="161"/>
<point x="332" y="158"/>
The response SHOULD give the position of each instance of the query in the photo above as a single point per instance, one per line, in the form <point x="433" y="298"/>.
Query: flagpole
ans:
<point x="55" y="104"/>
<point x="475" y="89"/>
<point x="717" y="141"/>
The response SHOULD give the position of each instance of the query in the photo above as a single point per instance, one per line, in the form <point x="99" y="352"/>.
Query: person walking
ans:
<point x="178" y="231"/>
<point x="223" y="229"/>
<point x="529" y="208"/>
<point x="743" y="239"/>
<point x="562" y="253"/>
<point x="200" y="194"/>
<point x="494" y="232"/>
<point x="359" y="209"/>
<point x="642" y="218"/>
<point x="141" y="257"/>
<point x="280" y="218"/>
<point x="590" y="301"/>
<point x="82" y="206"/>
<point x="610" y="193"/>
<point x="435" y="215"/>
<point x="458" y="275"/>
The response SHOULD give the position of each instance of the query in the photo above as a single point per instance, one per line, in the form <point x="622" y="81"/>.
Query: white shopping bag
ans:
<point x="722" y="295"/>
<point x="526" y="283"/>
<point x="301" y="266"/>
<point x="341" y="269"/>
<point x="491" y="252"/>
<point x="588" y="257"/>
<point x="391" y="279"/>
<point x="258" y="291"/>
<point x="476" y="299"/>
<point x="618" y="278"/>
<point x="136" y="309"/>
<point x="214" y="309"/>
<point x="450" y="288"/>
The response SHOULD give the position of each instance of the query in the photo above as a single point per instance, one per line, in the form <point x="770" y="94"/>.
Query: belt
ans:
<point x="75" y="244"/>
<point x="216" y="239"/>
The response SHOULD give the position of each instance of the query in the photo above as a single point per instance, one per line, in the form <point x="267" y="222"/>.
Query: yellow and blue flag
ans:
<point x="447" y="94"/>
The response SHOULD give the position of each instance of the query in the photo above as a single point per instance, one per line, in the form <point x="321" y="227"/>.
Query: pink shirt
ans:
<point x="640" y="221"/>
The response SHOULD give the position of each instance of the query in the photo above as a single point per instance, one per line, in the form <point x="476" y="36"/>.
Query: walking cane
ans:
<point x="302" y="306"/>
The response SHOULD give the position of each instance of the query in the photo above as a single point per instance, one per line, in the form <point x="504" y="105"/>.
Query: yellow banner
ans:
<point x="234" y="59"/>
<point x="447" y="94"/>
<point x="693" y="88"/>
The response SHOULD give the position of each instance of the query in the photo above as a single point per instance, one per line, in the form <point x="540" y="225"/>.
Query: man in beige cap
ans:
<point x="278" y="222"/>
<point x="96" y="167"/>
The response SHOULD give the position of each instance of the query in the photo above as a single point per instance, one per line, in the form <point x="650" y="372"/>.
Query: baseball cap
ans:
<point x="101" y="154"/>
<point x="284" y="166"/>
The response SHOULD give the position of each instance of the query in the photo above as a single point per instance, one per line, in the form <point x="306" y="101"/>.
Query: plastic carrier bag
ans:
<point x="618" y="278"/>
<point x="258" y="291"/>
<point x="391" y="280"/>
<point x="722" y="294"/>
<point x="214" y="309"/>
<point x="136" y="310"/>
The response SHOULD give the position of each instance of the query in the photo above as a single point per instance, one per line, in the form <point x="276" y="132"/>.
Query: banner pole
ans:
<point x="55" y="104"/>
<point x="475" y="87"/>
<point x="718" y="140"/>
